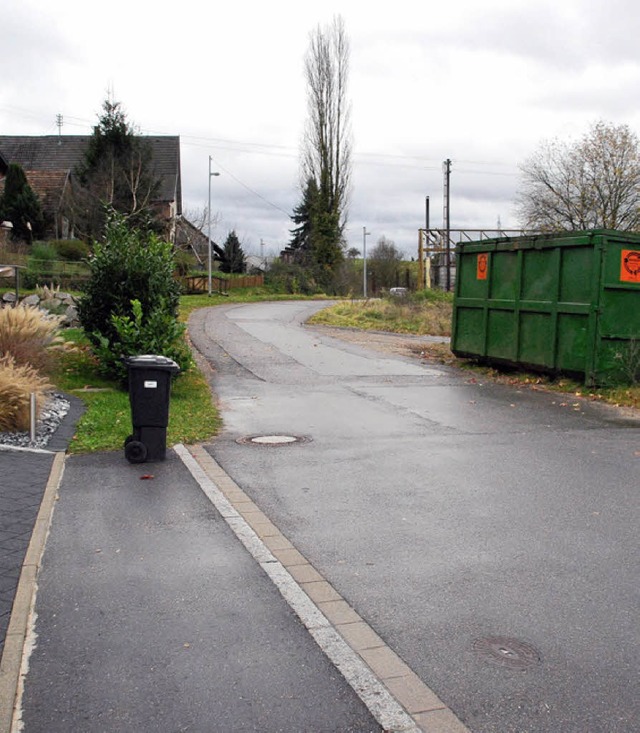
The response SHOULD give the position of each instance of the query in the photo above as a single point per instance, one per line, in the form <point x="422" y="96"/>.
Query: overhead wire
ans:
<point x="391" y="160"/>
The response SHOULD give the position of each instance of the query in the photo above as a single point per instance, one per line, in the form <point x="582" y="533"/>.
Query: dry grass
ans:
<point x="26" y="333"/>
<point x="427" y="317"/>
<point x="17" y="382"/>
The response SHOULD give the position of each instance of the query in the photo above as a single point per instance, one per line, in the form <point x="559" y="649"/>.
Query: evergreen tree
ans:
<point x="316" y="239"/>
<point x="116" y="175"/>
<point x="231" y="255"/>
<point x="302" y="216"/>
<point x="20" y="205"/>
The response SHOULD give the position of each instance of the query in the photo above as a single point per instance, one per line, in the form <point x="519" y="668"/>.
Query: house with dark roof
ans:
<point x="50" y="163"/>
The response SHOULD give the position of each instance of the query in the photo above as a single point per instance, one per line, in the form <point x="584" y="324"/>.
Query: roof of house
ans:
<point x="188" y="232"/>
<point x="49" y="186"/>
<point x="64" y="153"/>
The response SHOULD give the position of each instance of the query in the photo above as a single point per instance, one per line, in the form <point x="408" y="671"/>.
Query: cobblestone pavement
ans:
<point x="23" y="477"/>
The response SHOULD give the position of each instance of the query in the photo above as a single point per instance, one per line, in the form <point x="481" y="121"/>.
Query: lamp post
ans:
<point x="215" y="173"/>
<point x="365" y="234"/>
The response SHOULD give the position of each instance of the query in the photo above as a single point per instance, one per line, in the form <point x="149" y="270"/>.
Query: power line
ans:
<point x="248" y="188"/>
<point x="285" y="151"/>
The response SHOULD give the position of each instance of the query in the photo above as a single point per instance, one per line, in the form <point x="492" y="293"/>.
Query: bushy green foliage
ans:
<point x="131" y="266"/>
<point x="72" y="250"/>
<point x="39" y="264"/>
<point x="285" y="277"/>
<point x="159" y="333"/>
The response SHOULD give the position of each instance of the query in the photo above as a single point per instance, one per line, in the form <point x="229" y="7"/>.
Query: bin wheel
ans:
<point x="128" y="439"/>
<point x="135" y="451"/>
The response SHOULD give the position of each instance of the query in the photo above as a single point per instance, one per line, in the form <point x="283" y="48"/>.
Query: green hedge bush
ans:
<point x="130" y="305"/>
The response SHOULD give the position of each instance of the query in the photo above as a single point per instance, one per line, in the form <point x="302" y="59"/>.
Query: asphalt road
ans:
<point x="487" y="533"/>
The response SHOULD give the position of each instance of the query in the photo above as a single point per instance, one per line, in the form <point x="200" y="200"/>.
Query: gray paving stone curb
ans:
<point x="377" y="674"/>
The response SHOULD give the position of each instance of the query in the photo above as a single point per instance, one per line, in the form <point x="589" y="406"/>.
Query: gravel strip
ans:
<point x="51" y="417"/>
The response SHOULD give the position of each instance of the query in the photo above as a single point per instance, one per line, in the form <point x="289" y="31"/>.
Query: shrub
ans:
<point x="26" y="333"/>
<point x="159" y="333"/>
<point x="17" y="382"/>
<point x="43" y="252"/>
<point x="291" y="278"/>
<point x="72" y="250"/>
<point x="130" y="266"/>
<point x="40" y="264"/>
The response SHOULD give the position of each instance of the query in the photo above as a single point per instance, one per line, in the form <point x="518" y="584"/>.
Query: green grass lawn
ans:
<point x="107" y="419"/>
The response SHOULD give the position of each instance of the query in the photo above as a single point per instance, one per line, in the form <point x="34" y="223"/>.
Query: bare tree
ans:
<point x="326" y="155"/>
<point x="591" y="184"/>
<point x="384" y="263"/>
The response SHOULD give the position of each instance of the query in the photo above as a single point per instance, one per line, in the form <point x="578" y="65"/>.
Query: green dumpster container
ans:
<point x="562" y="303"/>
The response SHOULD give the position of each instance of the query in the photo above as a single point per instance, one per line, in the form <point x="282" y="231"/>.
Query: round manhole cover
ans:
<point x="273" y="440"/>
<point x="507" y="652"/>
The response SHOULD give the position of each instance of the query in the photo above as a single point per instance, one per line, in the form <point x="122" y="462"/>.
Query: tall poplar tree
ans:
<point x="326" y="154"/>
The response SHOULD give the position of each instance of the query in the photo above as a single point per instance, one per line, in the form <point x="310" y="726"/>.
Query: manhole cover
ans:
<point x="507" y="652"/>
<point x="273" y="440"/>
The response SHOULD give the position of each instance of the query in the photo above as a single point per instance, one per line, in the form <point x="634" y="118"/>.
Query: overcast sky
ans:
<point x="481" y="83"/>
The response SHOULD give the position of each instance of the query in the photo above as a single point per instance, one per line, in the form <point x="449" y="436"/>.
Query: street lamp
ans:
<point x="365" y="234"/>
<point x="215" y="173"/>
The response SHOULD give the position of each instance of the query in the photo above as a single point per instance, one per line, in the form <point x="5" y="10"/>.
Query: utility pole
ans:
<point x="447" y="221"/>
<point x="59" y="123"/>
<point x="427" y="224"/>
<point x="365" y="234"/>
<point x="211" y="173"/>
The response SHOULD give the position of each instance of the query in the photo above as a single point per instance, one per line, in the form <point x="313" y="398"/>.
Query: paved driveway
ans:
<point x="488" y="534"/>
<point x="22" y="482"/>
<point x="23" y="477"/>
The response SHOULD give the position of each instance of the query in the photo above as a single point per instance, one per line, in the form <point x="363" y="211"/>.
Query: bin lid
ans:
<point x="151" y="361"/>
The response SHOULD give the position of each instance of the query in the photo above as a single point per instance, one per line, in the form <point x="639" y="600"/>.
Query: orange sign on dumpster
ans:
<point x="630" y="266"/>
<point x="482" y="266"/>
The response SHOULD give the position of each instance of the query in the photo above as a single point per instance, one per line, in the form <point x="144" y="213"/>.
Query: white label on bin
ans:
<point x="151" y="384"/>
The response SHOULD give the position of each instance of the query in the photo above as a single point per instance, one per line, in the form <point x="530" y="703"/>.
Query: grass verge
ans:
<point x="107" y="419"/>
<point x="425" y="314"/>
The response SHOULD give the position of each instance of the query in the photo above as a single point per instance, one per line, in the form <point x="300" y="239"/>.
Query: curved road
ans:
<point x="487" y="533"/>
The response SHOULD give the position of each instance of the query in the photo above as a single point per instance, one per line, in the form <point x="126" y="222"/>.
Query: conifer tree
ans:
<point x="230" y="255"/>
<point x="20" y="205"/>
<point x="116" y="175"/>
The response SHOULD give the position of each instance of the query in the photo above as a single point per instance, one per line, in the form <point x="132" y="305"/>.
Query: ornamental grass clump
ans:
<point x="17" y="383"/>
<point x="26" y="334"/>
